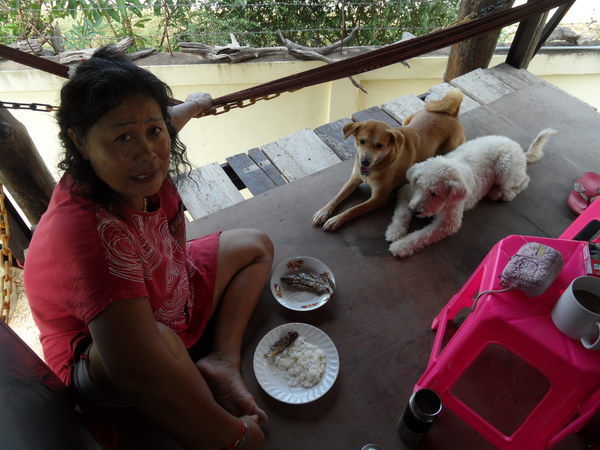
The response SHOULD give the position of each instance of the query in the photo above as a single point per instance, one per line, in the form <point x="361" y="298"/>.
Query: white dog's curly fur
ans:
<point x="446" y="186"/>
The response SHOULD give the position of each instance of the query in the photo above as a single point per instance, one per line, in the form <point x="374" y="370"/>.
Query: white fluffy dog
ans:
<point x="447" y="186"/>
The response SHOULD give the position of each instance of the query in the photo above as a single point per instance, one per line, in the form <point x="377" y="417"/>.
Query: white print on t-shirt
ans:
<point x="134" y="253"/>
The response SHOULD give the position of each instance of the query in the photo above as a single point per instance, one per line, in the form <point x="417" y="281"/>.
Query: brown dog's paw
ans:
<point x="333" y="223"/>
<point x="321" y="216"/>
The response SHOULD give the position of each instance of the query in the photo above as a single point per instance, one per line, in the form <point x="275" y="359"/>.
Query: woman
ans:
<point x="115" y="292"/>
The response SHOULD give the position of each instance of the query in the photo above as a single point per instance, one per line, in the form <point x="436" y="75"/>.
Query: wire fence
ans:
<point x="216" y="5"/>
<point x="62" y="25"/>
<point x="162" y="23"/>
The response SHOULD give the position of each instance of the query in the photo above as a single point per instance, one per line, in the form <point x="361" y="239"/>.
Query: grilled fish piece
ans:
<point x="309" y="282"/>
<point x="282" y="344"/>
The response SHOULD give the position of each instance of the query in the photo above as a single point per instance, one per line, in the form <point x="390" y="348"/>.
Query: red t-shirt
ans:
<point x="82" y="258"/>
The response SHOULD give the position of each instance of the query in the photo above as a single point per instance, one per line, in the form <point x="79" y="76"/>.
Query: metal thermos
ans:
<point x="423" y="407"/>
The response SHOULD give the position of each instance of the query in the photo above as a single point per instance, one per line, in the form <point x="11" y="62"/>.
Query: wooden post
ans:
<point x="558" y="15"/>
<point x="477" y="52"/>
<point x="525" y="42"/>
<point x="22" y="170"/>
<point x="20" y="235"/>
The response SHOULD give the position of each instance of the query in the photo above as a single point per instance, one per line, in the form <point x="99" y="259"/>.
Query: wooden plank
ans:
<point x="250" y="173"/>
<point x="403" y="106"/>
<point x="437" y="92"/>
<point x="525" y="42"/>
<point x="267" y="166"/>
<point x="521" y="115"/>
<point x="481" y="86"/>
<point x="209" y="190"/>
<point x="375" y="113"/>
<point x="511" y="76"/>
<point x="333" y="135"/>
<point x="529" y="76"/>
<point x="552" y="23"/>
<point x="300" y="154"/>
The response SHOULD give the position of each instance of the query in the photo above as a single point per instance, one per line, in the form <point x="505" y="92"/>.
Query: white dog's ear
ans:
<point x="411" y="173"/>
<point x="456" y="189"/>
<point x="350" y="129"/>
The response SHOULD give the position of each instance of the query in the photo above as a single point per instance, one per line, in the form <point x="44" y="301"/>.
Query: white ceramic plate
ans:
<point x="297" y="299"/>
<point x="270" y="377"/>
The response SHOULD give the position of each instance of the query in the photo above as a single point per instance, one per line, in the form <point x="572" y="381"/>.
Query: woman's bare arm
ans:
<point x="158" y="376"/>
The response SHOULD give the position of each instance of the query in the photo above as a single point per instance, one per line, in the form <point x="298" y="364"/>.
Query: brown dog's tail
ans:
<point x="450" y="104"/>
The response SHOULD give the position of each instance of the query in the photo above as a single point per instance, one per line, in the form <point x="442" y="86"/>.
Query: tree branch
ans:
<point x="301" y="52"/>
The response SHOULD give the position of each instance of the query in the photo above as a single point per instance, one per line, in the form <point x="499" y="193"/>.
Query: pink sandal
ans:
<point x="585" y="190"/>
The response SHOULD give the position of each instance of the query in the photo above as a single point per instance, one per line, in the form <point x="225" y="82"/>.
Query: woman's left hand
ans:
<point x="195" y="105"/>
<point x="203" y="101"/>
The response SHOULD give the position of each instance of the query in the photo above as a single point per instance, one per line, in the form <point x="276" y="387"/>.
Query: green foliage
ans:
<point x="253" y="22"/>
<point x="315" y="22"/>
<point x="85" y="33"/>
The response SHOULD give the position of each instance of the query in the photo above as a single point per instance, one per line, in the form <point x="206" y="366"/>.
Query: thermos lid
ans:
<point x="425" y="404"/>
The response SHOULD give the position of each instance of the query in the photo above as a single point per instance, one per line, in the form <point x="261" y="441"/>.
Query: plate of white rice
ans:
<point x="302" y="372"/>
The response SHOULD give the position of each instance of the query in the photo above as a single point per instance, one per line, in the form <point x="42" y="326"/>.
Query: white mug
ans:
<point x="577" y="312"/>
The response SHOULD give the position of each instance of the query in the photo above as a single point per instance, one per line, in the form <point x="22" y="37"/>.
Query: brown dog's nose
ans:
<point x="365" y="162"/>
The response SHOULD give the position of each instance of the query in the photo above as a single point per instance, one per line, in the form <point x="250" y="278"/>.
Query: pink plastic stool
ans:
<point x="590" y="213"/>
<point x="523" y="326"/>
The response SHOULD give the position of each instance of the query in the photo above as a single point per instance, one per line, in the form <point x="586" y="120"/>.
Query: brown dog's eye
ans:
<point x="433" y="194"/>
<point x="379" y="146"/>
<point x="362" y="142"/>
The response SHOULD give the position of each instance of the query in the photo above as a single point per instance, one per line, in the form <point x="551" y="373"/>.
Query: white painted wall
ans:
<point x="212" y="139"/>
<point x="582" y="11"/>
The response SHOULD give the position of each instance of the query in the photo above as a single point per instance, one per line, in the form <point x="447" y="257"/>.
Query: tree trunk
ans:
<point x="22" y="170"/>
<point x="20" y="234"/>
<point x="477" y="52"/>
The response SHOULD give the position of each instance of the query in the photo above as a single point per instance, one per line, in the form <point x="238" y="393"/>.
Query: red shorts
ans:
<point x="204" y="252"/>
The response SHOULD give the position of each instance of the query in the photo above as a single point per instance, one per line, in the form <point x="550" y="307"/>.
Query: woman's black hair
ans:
<point x="98" y="85"/>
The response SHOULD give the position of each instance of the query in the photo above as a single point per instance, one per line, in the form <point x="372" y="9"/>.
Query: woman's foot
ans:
<point x="225" y="382"/>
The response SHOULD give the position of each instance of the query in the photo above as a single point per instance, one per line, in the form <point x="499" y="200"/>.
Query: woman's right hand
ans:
<point x="254" y="436"/>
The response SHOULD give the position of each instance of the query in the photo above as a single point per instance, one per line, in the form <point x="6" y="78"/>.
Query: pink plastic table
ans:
<point x="523" y="326"/>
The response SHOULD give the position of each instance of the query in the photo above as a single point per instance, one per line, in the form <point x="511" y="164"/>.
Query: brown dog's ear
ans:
<point x="350" y="129"/>
<point x="397" y="137"/>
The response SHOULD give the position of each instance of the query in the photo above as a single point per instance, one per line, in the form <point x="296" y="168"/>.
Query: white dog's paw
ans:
<point x="333" y="223"/>
<point x="401" y="248"/>
<point x="494" y="194"/>
<point x="321" y="216"/>
<point x="393" y="233"/>
<point x="510" y="194"/>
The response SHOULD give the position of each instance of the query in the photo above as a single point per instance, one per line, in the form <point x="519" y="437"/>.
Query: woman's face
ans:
<point x="129" y="148"/>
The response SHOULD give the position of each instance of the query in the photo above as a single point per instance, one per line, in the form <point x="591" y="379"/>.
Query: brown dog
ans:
<point x="384" y="154"/>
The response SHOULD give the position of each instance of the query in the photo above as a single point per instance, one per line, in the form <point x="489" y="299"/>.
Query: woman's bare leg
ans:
<point x="244" y="263"/>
